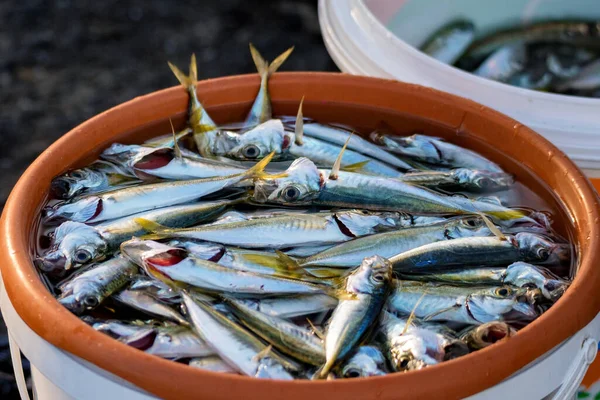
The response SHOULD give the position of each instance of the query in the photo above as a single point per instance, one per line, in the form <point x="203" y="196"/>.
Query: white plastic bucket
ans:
<point x="58" y="375"/>
<point x="381" y="38"/>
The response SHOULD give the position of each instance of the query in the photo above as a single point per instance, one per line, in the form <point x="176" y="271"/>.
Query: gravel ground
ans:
<point x="62" y="62"/>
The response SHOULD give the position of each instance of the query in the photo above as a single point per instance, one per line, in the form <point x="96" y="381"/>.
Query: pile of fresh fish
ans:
<point x="289" y="249"/>
<point x="551" y="56"/>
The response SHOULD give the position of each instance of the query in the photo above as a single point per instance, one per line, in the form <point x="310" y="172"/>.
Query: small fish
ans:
<point x="234" y="345"/>
<point x="90" y="288"/>
<point x="366" y="361"/>
<point x="261" y="109"/>
<point x="467" y="305"/>
<point x="356" y="143"/>
<point x="450" y="42"/>
<point x="433" y="150"/>
<point x="387" y="244"/>
<point x="74" y="243"/>
<point x="586" y="80"/>
<point x="519" y="274"/>
<point x="155" y="288"/>
<point x="212" y="363"/>
<point x="575" y="33"/>
<point x="461" y="179"/>
<point x="477" y="251"/>
<point x="281" y="231"/>
<point x="504" y="63"/>
<point x="177" y="265"/>
<point x="166" y="341"/>
<point x="411" y="347"/>
<point x="99" y="177"/>
<point x="201" y="123"/>
<point x="481" y="336"/>
<point x="132" y="200"/>
<point x="144" y="301"/>
<point x="292" y="306"/>
<point x="370" y="285"/>
<point x="285" y="336"/>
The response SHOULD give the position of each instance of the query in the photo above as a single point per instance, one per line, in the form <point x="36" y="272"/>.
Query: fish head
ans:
<point x="149" y="158"/>
<point x="373" y="275"/>
<point x="203" y="250"/>
<point x="500" y="303"/>
<point x="363" y="222"/>
<point x="122" y="154"/>
<point x="154" y="257"/>
<point x="540" y="249"/>
<point x="300" y="184"/>
<point x="367" y="361"/>
<point x="487" y="334"/>
<point x="467" y="226"/>
<point x="260" y="141"/>
<point x="482" y="181"/>
<point x="420" y="146"/>
<point x="414" y="350"/>
<point x="522" y="274"/>
<point x="75" y="182"/>
<point x="269" y="368"/>
<point x="74" y="244"/>
<point x="81" y="295"/>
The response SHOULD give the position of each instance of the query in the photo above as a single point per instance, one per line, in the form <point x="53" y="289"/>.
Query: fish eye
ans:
<point x="251" y="151"/>
<point x="471" y="222"/>
<point x="90" y="301"/>
<point x="378" y="277"/>
<point x="404" y="362"/>
<point x="542" y="253"/>
<point x="352" y="373"/>
<point x="484" y="183"/>
<point x="77" y="174"/>
<point x="503" y="291"/>
<point x="290" y="193"/>
<point x="82" y="256"/>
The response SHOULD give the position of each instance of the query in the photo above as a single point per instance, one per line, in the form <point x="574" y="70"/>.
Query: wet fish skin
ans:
<point x="366" y="361"/>
<point x="370" y="285"/>
<point x="450" y="42"/>
<point x="292" y="306"/>
<point x="149" y="304"/>
<point x="75" y="244"/>
<point x="504" y="63"/>
<point x="212" y="363"/>
<point x="461" y="178"/>
<point x="87" y="290"/>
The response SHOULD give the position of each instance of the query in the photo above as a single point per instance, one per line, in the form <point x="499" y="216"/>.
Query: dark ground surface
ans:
<point x="62" y="62"/>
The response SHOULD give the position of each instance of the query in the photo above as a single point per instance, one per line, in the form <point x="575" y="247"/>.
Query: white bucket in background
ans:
<point x="381" y="38"/>
<point x="58" y="375"/>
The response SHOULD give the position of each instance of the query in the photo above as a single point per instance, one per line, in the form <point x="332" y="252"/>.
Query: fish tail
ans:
<point x="262" y="66"/>
<point x="359" y="167"/>
<point x="276" y="63"/>
<point x="193" y="76"/>
<point x="258" y="169"/>
<point x="185" y="80"/>
<point x="157" y="231"/>
<point x="322" y="372"/>
<point x="507" y="215"/>
<point x="290" y="263"/>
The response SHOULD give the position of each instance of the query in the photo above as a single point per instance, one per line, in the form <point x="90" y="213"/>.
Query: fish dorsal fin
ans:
<point x="264" y="353"/>
<point x="493" y="228"/>
<point x="299" y="128"/>
<point x="356" y="167"/>
<point x="316" y="330"/>
<point x="176" y="148"/>
<point x="411" y="317"/>
<point x="335" y="170"/>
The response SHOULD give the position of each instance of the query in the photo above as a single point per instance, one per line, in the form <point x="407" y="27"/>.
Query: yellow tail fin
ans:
<point x="257" y="171"/>
<point x="156" y="230"/>
<point x="186" y="80"/>
<point x="356" y="167"/>
<point x="262" y="66"/>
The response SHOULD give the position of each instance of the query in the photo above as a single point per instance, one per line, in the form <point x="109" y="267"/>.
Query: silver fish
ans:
<point x="132" y="200"/>
<point x="450" y="42"/>
<point x="212" y="363"/>
<point x="292" y="306"/>
<point x="519" y="274"/>
<point x="236" y="346"/>
<point x="156" y="288"/>
<point x="90" y="288"/>
<point x="99" y="177"/>
<point x="147" y="303"/>
<point x="370" y="285"/>
<point x="261" y="108"/>
<point x="281" y="231"/>
<point x="285" y="336"/>
<point x="435" y="151"/>
<point x="366" y="361"/>
<point x="177" y="265"/>
<point x="504" y="63"/>
<point x="74" y="243"/>
<point x="467" y="305"/>
<point x="461" y="178"/>
<point x="414" y="347"/>
<point x="481" y="336"/>
<point x="358" y="144"/>
<point x="587" y="79"/>
<point x="477" y="251"/>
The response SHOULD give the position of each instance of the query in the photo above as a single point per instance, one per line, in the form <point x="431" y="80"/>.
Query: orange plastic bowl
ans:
<point x="358" y="101"/>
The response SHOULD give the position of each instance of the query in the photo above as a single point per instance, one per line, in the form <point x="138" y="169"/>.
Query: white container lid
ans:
<point x="381" y="38"/>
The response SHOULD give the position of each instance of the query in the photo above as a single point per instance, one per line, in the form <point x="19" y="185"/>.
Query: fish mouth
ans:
<point x="53" y="262"/>
<point x="263" y="190"/>
<point x="62" y="188"/>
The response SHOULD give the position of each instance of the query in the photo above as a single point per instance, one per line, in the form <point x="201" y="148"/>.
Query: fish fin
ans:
<point x="299" y="128"/>
<point x="325" y="273"/>
<point x="356" y="167"/>
<point x="316" y="330"/>
<point x="272" y="261"/>
<point x="157" y="231"/>
<point x="323" y="372"/>
<point x="341" y="294"/>
<point x="262" y="354"/>
<point x="262" y="66"/>
<point x="280" y="59"/>
<point x="492" y="227"/>
<point x="89" y="211"/>
<point x="258" y="169"/>
<point x="193" y="76"/>
<point x="507" y="215"/>
<point x="335" y="170"/>
<point x="176" y="148"/>
<point x="439" y="312"/>
<point x="410" y="318"/>
<point x="185" y="80"/>
<point x="290" y="263"/>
